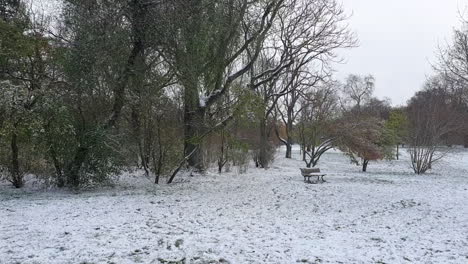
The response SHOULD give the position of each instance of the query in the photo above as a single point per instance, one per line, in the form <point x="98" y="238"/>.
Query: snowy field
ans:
<point x="388" y="215"/>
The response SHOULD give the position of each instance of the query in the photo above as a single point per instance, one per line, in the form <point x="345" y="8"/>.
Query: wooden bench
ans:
<point x="312" y="172"/>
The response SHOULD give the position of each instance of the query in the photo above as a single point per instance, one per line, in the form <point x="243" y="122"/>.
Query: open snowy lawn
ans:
<point x="388" y="215"/>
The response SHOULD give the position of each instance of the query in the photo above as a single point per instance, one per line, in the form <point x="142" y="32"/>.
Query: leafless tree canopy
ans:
<point x="432" y="114"/>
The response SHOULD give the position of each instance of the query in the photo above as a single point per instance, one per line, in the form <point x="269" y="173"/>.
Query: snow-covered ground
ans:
<point x="388" y="215"/>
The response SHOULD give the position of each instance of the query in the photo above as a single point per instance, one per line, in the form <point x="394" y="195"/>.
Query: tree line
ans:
<point x="170" y="85"/>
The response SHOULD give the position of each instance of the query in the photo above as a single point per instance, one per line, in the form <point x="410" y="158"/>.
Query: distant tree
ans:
<point x="357" y="91"/>
<point x="317" y="129"/>
<point x="431" y="116"/>
<point x="381" y="110"/>
<point x="313" y="50"/>
<point x="453" y="59"/>
<point x="365" y="136"/>
<point x="452" y="68"/>
<point x="397" y="125"/>
<point x="364" y="140"/>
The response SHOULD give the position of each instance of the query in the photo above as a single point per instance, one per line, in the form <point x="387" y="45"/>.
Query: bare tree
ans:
<point x="308" y="32"/>
<point x="357" y="90"/>
<point x="300" y="84"/>
<point x="452" y="66"/>
<point x="453" y="60"/>
<point x="431" y="116"/>
<point x="317" y="129"/>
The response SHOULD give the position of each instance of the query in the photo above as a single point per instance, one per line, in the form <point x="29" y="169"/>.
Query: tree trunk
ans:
<point x="58" y="167"/>
<point x="162" y="154"/>
<point x="157" y="163"/>
<point x="289" y="150"/>
<point x="223" y="155"/>
<point x="137" y="134"/>
<point x="160" y="164"/>
<point x="303" y="152"/>
<point x="364" y="165"/>
<point x="398" y="151"/>
<point x="315" y="161"/>
<point x="16" y="176"/>
<point x="74" y="167"/>
<point x="289" y="128"/>
<point x="194" y="123"/>
<point x="53" y="156"/>
<point x="262" y="158"/>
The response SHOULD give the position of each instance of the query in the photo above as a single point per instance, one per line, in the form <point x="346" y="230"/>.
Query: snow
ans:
<point x="203" y="100"/>
<point x="388" y="215"/>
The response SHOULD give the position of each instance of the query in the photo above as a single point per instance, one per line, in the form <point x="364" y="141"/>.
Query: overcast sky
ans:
<point x="398" y="41"/>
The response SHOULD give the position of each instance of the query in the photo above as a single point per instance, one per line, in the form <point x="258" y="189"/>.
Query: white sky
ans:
<point x="398" y="40"/>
